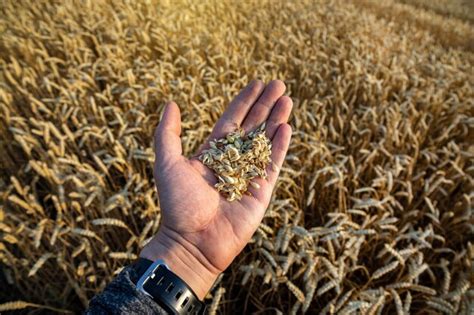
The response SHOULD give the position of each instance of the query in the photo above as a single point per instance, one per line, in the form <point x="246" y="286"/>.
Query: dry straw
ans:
<point x="372" y="212"/>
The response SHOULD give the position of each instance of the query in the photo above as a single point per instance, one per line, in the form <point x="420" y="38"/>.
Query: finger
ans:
<point x="238" y="109"/>
<point x="167" y="135"/>
<point x="262" y="108"/>
<point x="280" y="144"/>
<point x="279" y="115"/>
<point x="235" y="113"/>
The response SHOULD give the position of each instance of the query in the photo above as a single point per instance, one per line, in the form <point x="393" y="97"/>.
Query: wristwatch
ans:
<point x="158" y="282"/>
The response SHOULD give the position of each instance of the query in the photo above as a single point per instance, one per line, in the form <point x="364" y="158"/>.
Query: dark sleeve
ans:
<point x="122" y="297"/>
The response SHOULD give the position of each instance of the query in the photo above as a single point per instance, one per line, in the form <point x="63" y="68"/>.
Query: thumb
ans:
<point x="167" y="140"/>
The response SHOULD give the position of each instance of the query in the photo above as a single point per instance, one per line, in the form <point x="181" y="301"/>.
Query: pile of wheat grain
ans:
<point x="237" y="159"/>
<point x="373" y="212"/>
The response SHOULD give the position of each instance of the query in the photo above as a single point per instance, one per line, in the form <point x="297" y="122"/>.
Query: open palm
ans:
<point x="197" y="221"/>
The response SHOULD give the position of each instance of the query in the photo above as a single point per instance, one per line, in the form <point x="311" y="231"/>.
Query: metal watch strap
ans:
<point x="166" y="288"/>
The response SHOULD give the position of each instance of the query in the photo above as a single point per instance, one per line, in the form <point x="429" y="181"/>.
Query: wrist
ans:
<point x="182" y="260"/>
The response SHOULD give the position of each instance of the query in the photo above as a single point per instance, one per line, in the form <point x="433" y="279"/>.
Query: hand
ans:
<point x="201" y="232"/>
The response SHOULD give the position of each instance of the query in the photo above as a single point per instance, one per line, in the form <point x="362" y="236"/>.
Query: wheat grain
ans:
<point x="397" y="301"/>
<point x="39" y="263"/>
<point x="343" y="300"/>
<point x="296" y="291"/>
<point x="441" y="305"/>
<point x="328" y="286"/>
<point x="216" y="300"/>
<point x="407" y="303"/>
<point x="15" y="305"/>
<point x="122" y="255"/>
<point x="238" y="158"/>
<point x="395" y="254"/>
<point x="384" y="270"/>
<point x="308" y="298"/>
<point x="378" y="305"/>
<point x="110" y="221"/>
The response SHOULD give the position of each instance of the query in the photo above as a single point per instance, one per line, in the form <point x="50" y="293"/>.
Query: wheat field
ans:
<point x="373" y="212"/>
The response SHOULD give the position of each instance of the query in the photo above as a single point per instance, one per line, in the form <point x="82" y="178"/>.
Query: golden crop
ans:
<point x="373" y="212"/>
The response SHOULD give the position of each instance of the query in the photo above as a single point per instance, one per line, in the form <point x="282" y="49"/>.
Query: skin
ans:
<point x="201" y="232"/>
